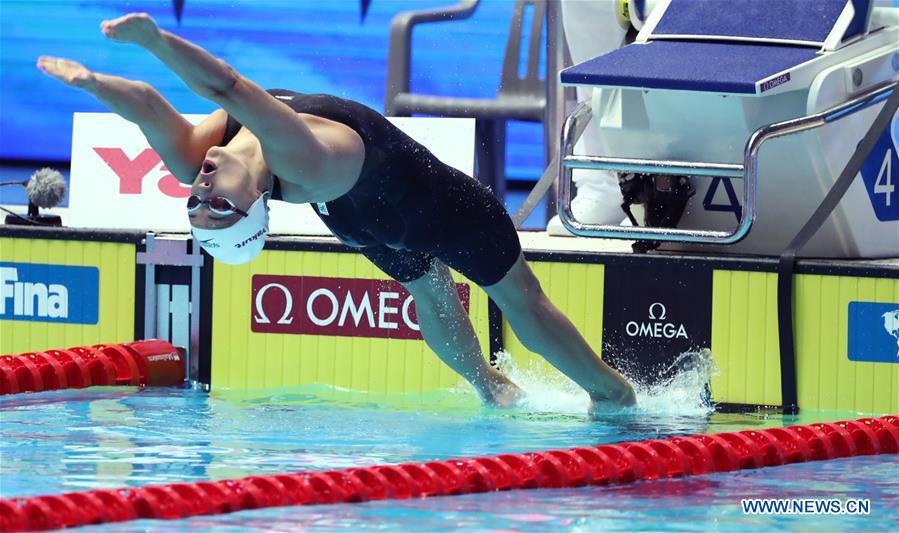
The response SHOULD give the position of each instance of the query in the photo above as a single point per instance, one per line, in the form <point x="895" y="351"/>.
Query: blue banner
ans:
<point x="49" y="293"/>
<point x="874" y="332"/>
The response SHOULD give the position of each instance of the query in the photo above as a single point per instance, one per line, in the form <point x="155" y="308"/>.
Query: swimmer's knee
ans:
<point x="419" y="288"/>
<point x="519" y="290"/>
<point x="433" y="287"/>
<point x="532" y="288"/>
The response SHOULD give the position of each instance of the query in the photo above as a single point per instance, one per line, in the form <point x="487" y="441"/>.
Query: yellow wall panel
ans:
<point x="827" y="378"/>
<point x="243" y="359"/>
<point x="744" y="338"/>
<point x="116" y="264"/>
<point x="746" y="350"/>
<point x="744" y="329"/>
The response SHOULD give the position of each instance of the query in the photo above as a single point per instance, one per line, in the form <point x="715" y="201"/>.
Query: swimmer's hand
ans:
<point x="67" y="71"/>
<point x="498" y="390"/>
<point x="138" y="28"/>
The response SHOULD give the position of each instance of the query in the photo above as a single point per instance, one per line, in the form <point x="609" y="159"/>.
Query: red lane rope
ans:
<point x="142" y="363"/>
<point x="600" y="465"/>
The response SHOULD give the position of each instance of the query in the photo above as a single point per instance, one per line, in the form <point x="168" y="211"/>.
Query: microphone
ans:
<point x="46" y="188"/>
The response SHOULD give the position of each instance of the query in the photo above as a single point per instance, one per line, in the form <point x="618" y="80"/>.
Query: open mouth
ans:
<point x="207" y="168"/>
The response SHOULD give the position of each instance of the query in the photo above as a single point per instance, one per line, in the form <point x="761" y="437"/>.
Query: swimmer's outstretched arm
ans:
<point x="292" y="149"/>
<point x="181" y="145"/>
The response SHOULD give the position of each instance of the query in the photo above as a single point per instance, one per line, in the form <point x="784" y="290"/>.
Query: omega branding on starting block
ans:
<point x="653" y="314"/>
<point x="656" y="326"/>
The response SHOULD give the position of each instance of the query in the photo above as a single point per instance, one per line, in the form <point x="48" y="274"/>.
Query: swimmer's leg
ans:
<point x="543" y="329"/>
<point x="448" y="331"/>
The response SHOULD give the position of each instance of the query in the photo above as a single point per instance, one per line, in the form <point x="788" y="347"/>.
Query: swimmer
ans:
<point x="373" y="186"/>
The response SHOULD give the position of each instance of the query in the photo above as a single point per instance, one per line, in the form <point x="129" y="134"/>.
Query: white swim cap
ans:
<point x="240" y="242"/>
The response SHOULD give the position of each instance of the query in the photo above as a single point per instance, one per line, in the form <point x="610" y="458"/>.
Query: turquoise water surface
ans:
<point x="115" y="437"/>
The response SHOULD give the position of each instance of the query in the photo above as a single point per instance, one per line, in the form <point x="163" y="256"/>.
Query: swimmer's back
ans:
<point x="394" y="172"/>
<point x="379" y="136"/>
<point x="406" y="200"/>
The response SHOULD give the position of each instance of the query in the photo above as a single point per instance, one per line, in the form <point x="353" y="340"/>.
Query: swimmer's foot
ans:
<point x="500" y="391"/>
<point x="606" y="404"/>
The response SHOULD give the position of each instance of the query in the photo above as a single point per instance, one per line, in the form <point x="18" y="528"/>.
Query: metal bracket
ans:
<point x="748" y="171"/>
<point x="172" y="251"/>
<point x="168" y="251"/>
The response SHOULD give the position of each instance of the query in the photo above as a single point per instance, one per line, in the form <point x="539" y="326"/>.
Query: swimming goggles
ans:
<point x="217" y="204"/>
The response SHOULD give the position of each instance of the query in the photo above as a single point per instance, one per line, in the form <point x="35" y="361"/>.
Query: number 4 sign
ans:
<point x="878" y="173"/>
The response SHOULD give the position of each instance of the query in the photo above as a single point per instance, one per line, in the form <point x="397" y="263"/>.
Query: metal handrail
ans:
<point x="685" y="168"/>
<point x="748" y="171"/>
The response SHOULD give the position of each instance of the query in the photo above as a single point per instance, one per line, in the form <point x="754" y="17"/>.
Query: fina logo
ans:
<point x="49" y="293"/>
<point x="32" y="299"/>
<point x="656" y="327"/>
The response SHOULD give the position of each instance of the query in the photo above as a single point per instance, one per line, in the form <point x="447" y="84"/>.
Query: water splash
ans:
<point x="684" y="394"/>
<point x="545" y="392"/>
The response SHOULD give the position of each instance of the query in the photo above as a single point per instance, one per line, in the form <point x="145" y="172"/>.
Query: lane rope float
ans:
<point x="141" y="363"/>
<point x="598" y="465"/>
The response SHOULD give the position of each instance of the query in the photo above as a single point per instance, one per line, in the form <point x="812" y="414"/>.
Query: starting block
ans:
<point x="763" y="102"/>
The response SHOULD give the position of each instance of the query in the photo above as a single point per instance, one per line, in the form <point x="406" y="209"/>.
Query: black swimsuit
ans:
<point x="408" y="207"/>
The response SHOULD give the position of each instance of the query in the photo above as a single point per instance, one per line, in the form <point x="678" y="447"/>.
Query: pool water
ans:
<point x="114" y="437"/>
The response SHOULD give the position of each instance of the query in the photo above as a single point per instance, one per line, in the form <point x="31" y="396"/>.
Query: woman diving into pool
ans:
<point x="373" y="186"/>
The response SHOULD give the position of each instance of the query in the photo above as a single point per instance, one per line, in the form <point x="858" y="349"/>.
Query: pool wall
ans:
<point x="334" y="351"/>
<point x="346" y="325"/>
<point x="98" y="274"/>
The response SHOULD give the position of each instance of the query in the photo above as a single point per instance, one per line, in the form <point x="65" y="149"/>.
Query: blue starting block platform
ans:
<point x="691" y="66"/>
<point x="726" y="46"/>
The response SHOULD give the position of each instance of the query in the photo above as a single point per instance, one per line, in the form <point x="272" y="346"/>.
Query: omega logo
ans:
<point x="261" y="317"/>
<point x="656" y="327"/>
<point x="348" y="307"/>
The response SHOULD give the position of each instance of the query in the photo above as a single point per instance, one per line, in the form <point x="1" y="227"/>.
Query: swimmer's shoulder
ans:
<point x="292" y="193"/>
<point x="324" y="105"/>
<point x="286" y="191"/>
